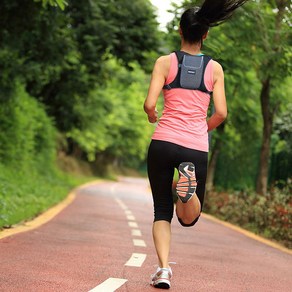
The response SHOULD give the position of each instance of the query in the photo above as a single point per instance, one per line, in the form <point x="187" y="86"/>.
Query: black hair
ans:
<point x="196" y="21"/>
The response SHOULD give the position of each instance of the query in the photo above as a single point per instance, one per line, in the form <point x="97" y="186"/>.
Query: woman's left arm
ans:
<point x="158" y="78"/>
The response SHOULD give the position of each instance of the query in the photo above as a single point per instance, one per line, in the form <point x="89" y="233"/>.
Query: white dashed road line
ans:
<point x="136" y="260"/>
<point x="139" y="242"/>
<point x="136" y="232"/>
<point x="133" y="224"/>
<point x="131" y="217"/>
<point x="110" y="285"/>
<point x="122" y="205"/>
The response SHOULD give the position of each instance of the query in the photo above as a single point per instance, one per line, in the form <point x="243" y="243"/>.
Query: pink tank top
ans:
<point x="183" y="119"/>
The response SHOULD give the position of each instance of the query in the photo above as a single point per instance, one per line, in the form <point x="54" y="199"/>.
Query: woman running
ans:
<point x="180" y="140"/>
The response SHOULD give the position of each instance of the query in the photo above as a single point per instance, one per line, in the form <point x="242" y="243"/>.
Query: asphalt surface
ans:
<point x="90" y="244"/>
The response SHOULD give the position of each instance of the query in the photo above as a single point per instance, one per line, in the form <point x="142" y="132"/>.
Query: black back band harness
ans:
<point x="191" y="71"/>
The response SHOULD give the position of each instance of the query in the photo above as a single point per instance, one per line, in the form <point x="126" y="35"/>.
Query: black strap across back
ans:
<point x="191" y="71"/>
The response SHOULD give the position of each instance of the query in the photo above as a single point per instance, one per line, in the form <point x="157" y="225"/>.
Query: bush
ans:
<point x="27" y="135"/>
<point x="29" y="179"/>
<point x="266" y="215"/>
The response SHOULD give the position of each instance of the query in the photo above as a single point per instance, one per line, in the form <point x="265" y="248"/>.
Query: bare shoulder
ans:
<point x="217" y="67"/>
<point x="218" y="70"/>
<point x="162" y="64"/>
<point x="163" y="59"/>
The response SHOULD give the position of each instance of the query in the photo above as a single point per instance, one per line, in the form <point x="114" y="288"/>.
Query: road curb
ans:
<point x="248" y="233"/>
<point x="47" y="215"/>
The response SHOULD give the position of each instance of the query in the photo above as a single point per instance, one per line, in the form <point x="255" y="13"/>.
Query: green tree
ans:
<point x="59" y="55"/>
<point x="60" y="3"/>
<point x="273" y="49"/>
<point x="113" y="126"/>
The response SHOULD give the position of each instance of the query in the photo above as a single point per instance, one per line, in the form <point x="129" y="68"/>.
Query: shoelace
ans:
<point x="157" y="266"/>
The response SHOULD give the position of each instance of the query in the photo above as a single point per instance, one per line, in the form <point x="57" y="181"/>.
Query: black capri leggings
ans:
<point x="163" y="158"/>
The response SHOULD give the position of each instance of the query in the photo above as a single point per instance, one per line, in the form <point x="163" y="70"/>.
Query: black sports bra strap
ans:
<point x="179" y="55"/>
<point x="202" y="87"/>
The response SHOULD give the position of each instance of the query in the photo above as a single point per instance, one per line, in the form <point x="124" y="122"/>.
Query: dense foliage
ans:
<point x="29" y="180"/>
<point x="27" y="134"/>
<point x="72" y="81"/>
<point x="85" y="65"/>
<point x="269" y="215"/>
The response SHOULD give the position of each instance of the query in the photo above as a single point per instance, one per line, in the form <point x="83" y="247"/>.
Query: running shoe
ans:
<point x="187" y="183"/>
<point x="161" y="279"/>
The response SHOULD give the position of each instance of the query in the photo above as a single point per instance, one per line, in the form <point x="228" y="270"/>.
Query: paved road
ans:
<point x="102" y="242"/>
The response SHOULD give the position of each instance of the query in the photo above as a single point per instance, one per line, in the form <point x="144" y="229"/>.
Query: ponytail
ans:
<point x="195" y="22"/>
<point x="217" y="11"/>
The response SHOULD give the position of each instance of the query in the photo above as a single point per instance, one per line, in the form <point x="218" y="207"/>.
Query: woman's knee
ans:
<point x="163" y="210"/>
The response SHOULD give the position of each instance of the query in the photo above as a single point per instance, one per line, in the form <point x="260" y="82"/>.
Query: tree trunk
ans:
<point x="213" y="160"/>
<point x="267" y="111"/>
<point x="262" y="179"/>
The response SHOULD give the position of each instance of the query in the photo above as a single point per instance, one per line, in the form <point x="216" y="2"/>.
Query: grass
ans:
<point x="26" y="194"/>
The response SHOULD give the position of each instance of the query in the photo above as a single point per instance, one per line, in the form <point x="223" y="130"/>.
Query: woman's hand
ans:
<point x="154" y="117"/>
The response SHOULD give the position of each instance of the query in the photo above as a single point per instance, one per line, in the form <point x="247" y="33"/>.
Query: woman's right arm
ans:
<point x="219" y="99"/>
<point x="158" y="78"/>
